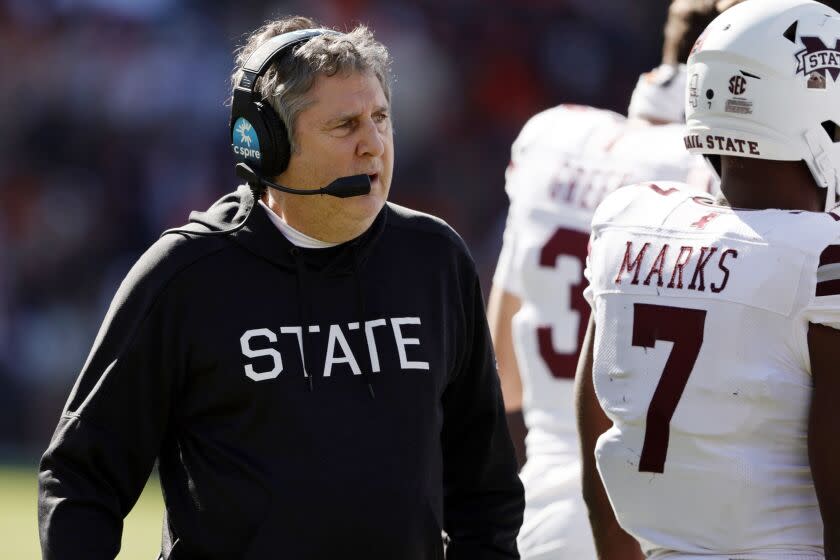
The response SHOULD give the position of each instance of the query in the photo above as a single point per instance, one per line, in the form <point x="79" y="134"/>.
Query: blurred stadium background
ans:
<point x="114" y="126"/>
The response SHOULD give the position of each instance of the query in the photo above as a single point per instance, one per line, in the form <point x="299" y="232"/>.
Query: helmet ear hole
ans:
<point x="790" y="32"/>
<point x="832" y="129"/>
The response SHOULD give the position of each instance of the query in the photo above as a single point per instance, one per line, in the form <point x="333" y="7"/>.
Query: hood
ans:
<point x="229" y="211"/>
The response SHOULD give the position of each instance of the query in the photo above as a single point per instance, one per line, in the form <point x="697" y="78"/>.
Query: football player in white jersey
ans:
<point x="565" y="160"/>
<point x="708" y="382"/>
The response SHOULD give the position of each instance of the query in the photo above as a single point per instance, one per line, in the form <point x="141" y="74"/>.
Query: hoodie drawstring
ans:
<point x="304" y="313"/>
<point x="304" y="316"/>
<point x="360" y="302"/>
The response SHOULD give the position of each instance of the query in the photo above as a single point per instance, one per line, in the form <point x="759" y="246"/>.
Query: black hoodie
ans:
<point x="398" y="433"/>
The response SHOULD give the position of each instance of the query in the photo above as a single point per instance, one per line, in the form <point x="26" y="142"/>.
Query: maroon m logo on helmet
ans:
<point x="816" y="57"/>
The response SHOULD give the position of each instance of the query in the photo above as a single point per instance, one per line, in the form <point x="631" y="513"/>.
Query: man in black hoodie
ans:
<point x="313" y="373"/>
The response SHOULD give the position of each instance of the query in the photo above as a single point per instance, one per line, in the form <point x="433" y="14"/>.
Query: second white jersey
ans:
<point x="701" y="363"/>
<point x="564" y="162"/>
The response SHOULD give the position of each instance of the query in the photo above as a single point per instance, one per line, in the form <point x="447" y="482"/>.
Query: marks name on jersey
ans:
<point x="681" y="268"/>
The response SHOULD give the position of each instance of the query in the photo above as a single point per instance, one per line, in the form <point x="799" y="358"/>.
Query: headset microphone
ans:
<point x="343" y="187"/>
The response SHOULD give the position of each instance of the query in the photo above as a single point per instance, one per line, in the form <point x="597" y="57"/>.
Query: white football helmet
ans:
<point x="660" y="95"/>
<point x="763" y="83"/>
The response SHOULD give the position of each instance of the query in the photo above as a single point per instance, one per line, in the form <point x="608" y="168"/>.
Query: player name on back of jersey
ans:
<point x="683" y="267"/>
<point x="696" y="265"/>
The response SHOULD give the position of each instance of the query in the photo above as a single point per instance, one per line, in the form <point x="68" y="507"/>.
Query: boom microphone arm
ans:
<point x="343" y="187"/>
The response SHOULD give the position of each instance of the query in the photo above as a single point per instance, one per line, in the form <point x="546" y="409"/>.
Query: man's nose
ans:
<point x="371" y="140"/>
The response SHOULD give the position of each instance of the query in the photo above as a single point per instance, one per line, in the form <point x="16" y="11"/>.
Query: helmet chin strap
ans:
<point x="824" y="173"/>
<point x="831" y="192"/>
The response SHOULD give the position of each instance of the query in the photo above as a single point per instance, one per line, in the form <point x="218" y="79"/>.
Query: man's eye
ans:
<point x="380" y="117"/>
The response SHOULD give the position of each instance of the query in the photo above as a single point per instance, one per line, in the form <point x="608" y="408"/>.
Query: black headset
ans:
<point x="259" y="137"/>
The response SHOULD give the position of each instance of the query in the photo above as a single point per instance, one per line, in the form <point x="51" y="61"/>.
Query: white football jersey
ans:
<point x="564" y="162"/>
<point x="701" y="362"/>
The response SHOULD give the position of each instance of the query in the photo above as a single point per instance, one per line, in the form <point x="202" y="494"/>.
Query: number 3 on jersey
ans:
<point x="683" y="327"/>
<point x="565" y="244"/>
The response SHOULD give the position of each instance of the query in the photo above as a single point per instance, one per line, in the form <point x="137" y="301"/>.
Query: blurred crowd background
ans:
<point x="113" y="126"/>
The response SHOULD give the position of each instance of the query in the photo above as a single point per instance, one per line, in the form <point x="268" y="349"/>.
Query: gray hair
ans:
<point x="286" y="84"/>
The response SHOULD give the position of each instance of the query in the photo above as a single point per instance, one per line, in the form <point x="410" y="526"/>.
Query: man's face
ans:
<point x="346" y="130"/>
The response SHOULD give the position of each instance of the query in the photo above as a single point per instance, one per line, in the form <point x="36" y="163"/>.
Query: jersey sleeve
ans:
<point x="824" y="305"/>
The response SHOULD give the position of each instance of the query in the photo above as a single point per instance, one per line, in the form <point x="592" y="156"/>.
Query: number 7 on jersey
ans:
<point x="683" y="327"/>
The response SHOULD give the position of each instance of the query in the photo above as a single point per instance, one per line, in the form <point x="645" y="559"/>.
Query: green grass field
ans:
<point x="19" y="520"/>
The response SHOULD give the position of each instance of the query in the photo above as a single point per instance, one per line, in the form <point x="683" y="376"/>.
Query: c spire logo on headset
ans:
<point x="245" y="141"/>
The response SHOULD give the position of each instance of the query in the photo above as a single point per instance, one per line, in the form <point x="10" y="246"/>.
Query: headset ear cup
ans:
<point x="249" y="117"/>
<point x="279" y="151"/>
<point x="270" y="156"/>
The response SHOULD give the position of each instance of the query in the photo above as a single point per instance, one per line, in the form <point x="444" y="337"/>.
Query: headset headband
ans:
<point x="259" y="138"/>
<point x="260" y="60"/>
